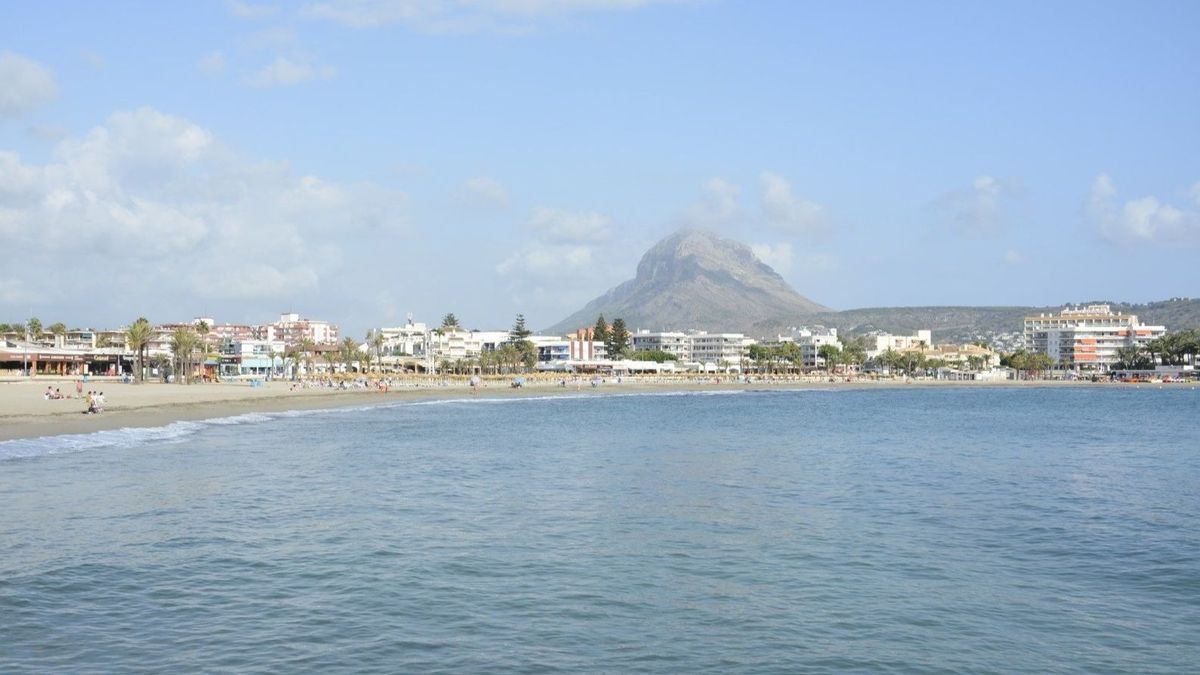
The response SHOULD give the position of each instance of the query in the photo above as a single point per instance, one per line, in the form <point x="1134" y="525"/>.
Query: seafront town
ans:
<point x="1090" y="341"/>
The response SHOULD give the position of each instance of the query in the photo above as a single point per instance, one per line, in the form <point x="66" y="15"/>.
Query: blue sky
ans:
<point x="359" y="159"/>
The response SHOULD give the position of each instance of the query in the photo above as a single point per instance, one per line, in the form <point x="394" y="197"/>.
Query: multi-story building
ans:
<point x="583" y="346"/>
<point x="716" y="350"/>
<point x="250" y="357"/>
<point x="1087" y="338"/>
<point x="291" y="329"/>
<point x="810" y="341"/>
<point x="882" y="342"/>
<point x="678" y="345"/>
<point x="411" y="339"/>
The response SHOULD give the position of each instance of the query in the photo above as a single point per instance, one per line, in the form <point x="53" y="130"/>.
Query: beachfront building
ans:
<point x="292" y="330"/>
<point x="583" y="346"/>
<point x="411" y="339"/>
<point x="716" y="351"/>
<point x="1087" y="338"/>
<point x="879" y="343"/>
<point x="965" y="357"/>
<point x="551" y="348"/>
<point x="452" y="344"/>
<point x="250" y="357"/>
<point x="674" y="343"/>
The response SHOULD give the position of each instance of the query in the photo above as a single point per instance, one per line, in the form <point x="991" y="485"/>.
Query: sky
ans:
<point x="360" y="160"/>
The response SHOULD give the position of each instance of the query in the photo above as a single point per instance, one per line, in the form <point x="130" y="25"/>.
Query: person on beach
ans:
<point x="78" y="388"/>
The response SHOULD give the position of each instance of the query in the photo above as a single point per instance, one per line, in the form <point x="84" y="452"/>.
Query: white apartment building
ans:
<point x="411" y="339"/>
<point x="716" y="351"/>
<point x="292" y="330"/>
<point x="878" y="344"/>
<point x="1087" y="338"/>
<point x="676" y="344"/>
<point x="810" y="341"/>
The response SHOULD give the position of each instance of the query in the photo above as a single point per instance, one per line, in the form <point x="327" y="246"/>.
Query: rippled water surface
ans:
<point x="1008" y="530"/>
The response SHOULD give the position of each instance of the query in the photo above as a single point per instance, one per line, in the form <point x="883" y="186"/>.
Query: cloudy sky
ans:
<point x="360" y="159"/>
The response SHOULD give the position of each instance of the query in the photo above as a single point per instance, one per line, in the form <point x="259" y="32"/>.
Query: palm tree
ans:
<point x="137" y="338"/>
<point x="376" y="344"/>
<point x="183" y="345"/>
<point x="329" y="358"/>
<point x="60" y="330"/>
<point x="348" y="351"/>
<point x="33" y="330"/>
<point x="305" y="348"/>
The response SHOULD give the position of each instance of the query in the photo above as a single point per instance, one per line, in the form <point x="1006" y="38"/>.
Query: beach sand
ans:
<point x="24" y="413"/>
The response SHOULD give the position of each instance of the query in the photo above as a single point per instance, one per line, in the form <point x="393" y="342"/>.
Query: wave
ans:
<point x="175" y="432"/>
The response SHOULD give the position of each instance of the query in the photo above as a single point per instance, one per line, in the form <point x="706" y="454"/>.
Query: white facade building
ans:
<point x="716" y="351"/>
<point x="676" y="344"/>
<point x="1087" y="338"/>
<point x="878" y="344"/>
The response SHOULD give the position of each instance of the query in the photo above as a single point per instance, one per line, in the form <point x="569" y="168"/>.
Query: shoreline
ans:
<point x="24" y="414"/>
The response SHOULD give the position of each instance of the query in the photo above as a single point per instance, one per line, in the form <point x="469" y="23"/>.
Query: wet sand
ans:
<point x="24" y="413"/>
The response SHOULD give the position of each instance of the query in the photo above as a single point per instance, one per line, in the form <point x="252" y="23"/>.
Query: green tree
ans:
<point x="518" y="337"/>
<point x="450" y="322"/>
<point x="137" y="339"/>
<point x="600" y="331"/>
<point x="33" y="329"/>
<point x="789" y="353"/>
<point x="854" y="351"/>
<point x="183" y="346"/>
<point x="59" y="329"/>
<point x="760" y="355"/>
<point x="375" y="344"/>
<point x="348" y="350"/>
<point x="655" y="355"/>
<point x="618" y="340"/>
<point x="830" y="354"/>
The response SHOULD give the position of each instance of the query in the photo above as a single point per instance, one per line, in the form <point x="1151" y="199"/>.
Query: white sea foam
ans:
<point x="178" y="431"/>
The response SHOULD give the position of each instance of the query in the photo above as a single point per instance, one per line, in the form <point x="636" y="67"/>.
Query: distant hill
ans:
<point x="697" y="280"/>
<point x="961" y="324"/>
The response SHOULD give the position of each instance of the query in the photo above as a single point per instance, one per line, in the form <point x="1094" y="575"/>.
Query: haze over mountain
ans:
<point x="694" y="279"/>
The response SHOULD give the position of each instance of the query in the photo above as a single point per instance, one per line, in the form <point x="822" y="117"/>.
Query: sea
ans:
<point x="920" y="530"/>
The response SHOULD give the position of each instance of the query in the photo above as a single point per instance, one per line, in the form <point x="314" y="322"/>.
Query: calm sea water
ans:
<point x="953" y="530"/>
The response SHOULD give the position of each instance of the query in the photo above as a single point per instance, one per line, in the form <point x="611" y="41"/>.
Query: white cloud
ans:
<point x="484" y="190"/>
<point x="787" y="212"/>
<point x="1143" y="220"/>
<point x="183" y="218"/>
<point x="568" y="257"/>
<point x="249" y="10"/>
<point x="777" y="256"/>
<point x="985" y="209"/>
<point x="212" y="63"/>
<point x="284" y="72"/>
<point x="460" y="15"/>
<point x="24" y="84"/>
<point x="717" y="207"/>
<point x="557" y="226"/>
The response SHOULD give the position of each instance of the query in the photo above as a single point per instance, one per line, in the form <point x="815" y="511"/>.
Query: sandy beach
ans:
<point x="25" y="413"/>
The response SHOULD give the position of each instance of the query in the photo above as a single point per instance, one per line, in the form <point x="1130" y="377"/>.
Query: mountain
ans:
<point x="695" y="279"/>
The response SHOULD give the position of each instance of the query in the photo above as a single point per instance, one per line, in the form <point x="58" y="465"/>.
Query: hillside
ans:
<point x="697" y="280"/>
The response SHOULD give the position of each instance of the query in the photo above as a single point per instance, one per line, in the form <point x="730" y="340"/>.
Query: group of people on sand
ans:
<point x="53" y="394"/>
<point x="95" y="402"/>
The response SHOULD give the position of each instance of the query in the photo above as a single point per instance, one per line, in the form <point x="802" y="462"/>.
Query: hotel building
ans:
<point x="1087" y="338"/>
